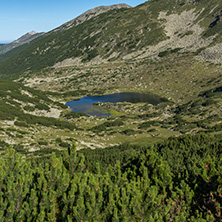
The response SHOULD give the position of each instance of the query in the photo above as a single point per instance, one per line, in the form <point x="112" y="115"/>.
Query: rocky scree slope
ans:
<point x="153" y="30"/>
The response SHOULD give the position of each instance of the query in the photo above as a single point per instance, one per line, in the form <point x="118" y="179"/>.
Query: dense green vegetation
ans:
<point x="16" y="49"/>
<point x="13" y="95"/>
<point x="178" y="180"/>
<point x="12" y="52"/>
<point x="202" y="107"/>
<point x="105" y="126"/>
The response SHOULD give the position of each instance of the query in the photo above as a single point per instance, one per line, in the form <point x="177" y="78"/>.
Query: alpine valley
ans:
<point x="140" y="161"/>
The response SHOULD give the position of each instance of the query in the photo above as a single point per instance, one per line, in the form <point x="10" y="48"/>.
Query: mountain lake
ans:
<point x="85" y="104"/>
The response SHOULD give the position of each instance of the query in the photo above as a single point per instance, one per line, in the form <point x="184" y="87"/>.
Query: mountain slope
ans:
<point x="8" y="50"/>
<point x="28" y="37"/>
<point x="88" y="15"/>
<point x="16" y="50"/>
<point x="154" y="29"/>
<point x="11" y="49"/>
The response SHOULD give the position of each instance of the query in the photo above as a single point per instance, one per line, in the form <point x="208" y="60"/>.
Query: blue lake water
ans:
<point x="85" y="104"/>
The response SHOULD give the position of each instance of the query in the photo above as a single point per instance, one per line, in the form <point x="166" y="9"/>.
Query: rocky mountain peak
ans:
<point x="32" y="33"/>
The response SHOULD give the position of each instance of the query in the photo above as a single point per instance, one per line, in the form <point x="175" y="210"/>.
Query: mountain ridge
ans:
<point x="10" y="49"/>
<point x="26" y="38"/>
<point x="88" y="15"/>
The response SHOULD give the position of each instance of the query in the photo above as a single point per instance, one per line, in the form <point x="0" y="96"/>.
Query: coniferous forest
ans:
<point x="179" y="179"/>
